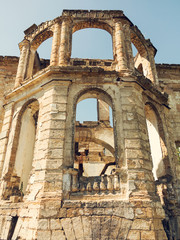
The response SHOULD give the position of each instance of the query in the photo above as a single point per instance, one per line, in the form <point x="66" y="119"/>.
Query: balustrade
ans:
<point x="97" y="184"/>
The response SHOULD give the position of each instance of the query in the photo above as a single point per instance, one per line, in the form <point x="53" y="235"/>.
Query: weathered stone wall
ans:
<point x="169" y="79"/>
<point x="53" y="153"/>
<point x="86" y="220"/>
<point x="8" y="69"/>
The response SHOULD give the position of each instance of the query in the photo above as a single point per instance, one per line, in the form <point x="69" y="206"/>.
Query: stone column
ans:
<point x="49" y="149"/>
<point x="120" y="47"/>
<point x="55" y="45"/>
<point x="140" y="179"/>
<point x="4" y="136"/>
<point x="6" y="150"/>
<point x="22" y="63"/>
<point x="65" y="45"/>
<point x="30" y="63"/>
<point x="128" y="45"/>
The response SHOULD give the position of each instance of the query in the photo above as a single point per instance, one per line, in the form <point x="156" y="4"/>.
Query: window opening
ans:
<point x="26" y="144"/>
<point x="87" y="110"/>
<point x="139" y="61"/>
<point x="12" y="227"/>
<point x="92" y="43"/>
<point x="42" y="55"/>
<point x="94" y="140"/>
<point x="155" y="143"/>
<point x="44" y="50"/>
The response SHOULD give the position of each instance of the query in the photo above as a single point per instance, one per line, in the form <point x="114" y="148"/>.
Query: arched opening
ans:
<point x="25" y="146"/>
<point x="42" y="55"/>
<point x="94" y="138"/>
<point x="92" y="43"/>
<point x="138" y="59"/>
<point x="44" y="50"/>
<point x="140" y="53"/>
<point x="157" y="146"/>
<point x="87" y="110"/>
<point x="41" y="43"/>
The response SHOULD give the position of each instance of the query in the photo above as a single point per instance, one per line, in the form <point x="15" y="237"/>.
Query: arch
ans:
<point x="26" y="122"/>
<point x="161" y="166"/>
<point x="87" y="136"/>
<point x="44" y="49"/>
<point x="92" y="150"/>
<point x="41" y="37"/>
<point x="34" y="63"/>
<point x="139" y="41"/>
<point x="92" y="23"/>
<point x="76" y="96"/>
<point x="145" y="55"/>
<point x="26" y="143"/>
<point x="93" y="92"/>
<point x="93" y="37"/>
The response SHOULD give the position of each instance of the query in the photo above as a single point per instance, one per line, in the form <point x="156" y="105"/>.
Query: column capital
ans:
<point x="67" y="19"/>
<point x="118" y="23"/>
<point x="33" y="47"/>
<point x="25" y="43"/>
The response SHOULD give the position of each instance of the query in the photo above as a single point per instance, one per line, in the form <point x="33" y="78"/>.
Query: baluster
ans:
<point x="116" y="183"/>
<point x="88" y="187"/>
<point x="74" y="183"/>
<point x="82" y="187"/>
<point x="109" y="184"/>
<point x="102" y="184"/>
<point x="95" y="186"/>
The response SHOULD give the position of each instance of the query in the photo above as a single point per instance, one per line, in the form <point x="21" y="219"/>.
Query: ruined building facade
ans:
<point x="61" y="179"/>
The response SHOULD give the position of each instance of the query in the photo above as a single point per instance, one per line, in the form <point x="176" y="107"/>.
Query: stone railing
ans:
<point x="99" y="184"/>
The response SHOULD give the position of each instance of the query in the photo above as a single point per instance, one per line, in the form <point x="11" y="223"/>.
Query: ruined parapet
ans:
<point x="61" y="179"/>
<point x="123" y="33"/>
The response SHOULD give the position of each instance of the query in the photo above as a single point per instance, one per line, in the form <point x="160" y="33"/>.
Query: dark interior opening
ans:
<point x="12" y="227"/>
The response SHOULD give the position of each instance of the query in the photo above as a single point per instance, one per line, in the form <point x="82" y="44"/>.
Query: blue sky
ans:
<point x="157" y="19"/>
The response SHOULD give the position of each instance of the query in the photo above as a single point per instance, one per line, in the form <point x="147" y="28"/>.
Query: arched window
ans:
<point x="157" y="146"/>
<point x="87" y="110"/>
<point x="138" y="59"/>
<point x="94" y="138"/>
<point x="39" y="53"/>
<point x="92" y="43"/>
<point x="26" y="142"/>
<point x="42" y="55"/>
<point x="44" y="50"/>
